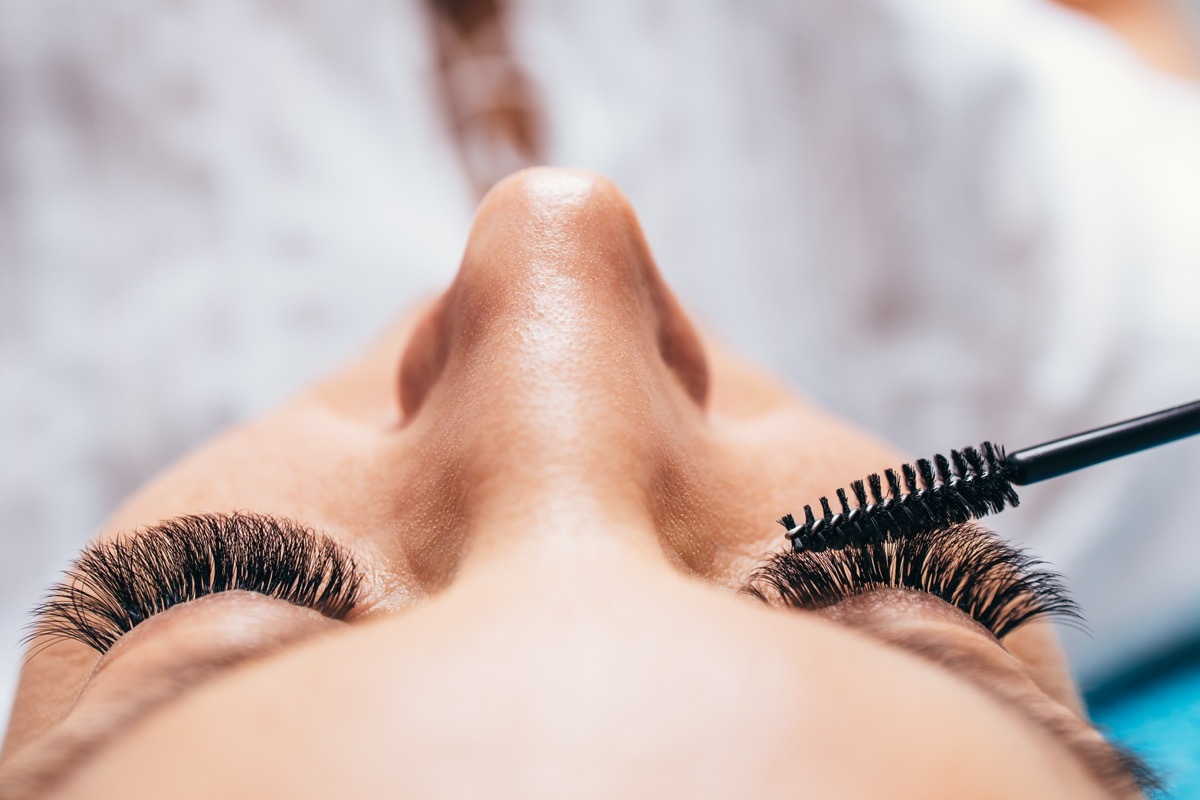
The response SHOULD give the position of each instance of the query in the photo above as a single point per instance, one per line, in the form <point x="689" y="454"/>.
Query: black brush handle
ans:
<point x="1044" y="461"/>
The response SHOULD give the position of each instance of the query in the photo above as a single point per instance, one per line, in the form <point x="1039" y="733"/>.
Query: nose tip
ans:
<point x="548" y="242"/>
<point x="556" y="281"/>
<point x="554" y="196"/>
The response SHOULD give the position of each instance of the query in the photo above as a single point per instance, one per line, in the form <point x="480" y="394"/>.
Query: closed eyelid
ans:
<point x="984" y="662"/>
<point x="1119" y="771"/>
<point x="121" y="582"/>
<point x="181" y="650"/>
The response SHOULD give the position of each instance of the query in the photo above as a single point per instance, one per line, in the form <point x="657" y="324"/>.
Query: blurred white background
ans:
<point x="947" y="220"/>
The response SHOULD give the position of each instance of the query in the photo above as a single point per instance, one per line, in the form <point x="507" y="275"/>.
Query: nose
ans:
<point x="558" y="364"/>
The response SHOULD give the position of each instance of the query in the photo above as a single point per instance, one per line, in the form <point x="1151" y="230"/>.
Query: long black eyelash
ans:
<point x="969" y="567"/>
<point x="115" y="585"/>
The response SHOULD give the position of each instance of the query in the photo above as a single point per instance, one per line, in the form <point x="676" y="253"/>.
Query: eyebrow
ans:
<point x="1119" y="770"/>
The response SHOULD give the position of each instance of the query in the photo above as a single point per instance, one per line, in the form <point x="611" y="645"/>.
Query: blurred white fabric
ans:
<point x="947" y="220"/>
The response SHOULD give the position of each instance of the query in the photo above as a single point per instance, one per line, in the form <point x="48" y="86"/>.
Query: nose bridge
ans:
<point x="561" y="356"/>
<point x="556" y="310"/>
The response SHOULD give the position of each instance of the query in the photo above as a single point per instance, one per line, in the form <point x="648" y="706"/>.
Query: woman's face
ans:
<point x="552" y="487"/>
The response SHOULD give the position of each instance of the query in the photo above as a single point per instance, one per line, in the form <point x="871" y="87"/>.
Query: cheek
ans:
<point x="793" y="457"/>
<point x="721" y="505"/>
<point x="301" y="461"/>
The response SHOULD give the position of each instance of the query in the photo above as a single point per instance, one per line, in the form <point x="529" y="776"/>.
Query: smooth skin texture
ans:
<point x="555" y="487"/>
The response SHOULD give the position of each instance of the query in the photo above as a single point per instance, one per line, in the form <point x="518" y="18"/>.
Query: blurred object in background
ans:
<point x="1163" y="32"/>
<point x="489" y="102"/>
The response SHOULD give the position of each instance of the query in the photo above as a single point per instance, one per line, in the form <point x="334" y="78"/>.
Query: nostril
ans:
<point x="424" y="358"/>
<point x="680" y="346"/>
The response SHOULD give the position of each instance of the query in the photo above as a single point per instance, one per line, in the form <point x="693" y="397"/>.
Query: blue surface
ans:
<point x="1156" y="712"/>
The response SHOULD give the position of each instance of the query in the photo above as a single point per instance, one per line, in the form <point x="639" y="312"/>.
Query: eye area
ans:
<point x="999" y="586"/>
<point x="117" y="584"/>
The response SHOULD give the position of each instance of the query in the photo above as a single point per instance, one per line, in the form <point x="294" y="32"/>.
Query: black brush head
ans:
<point x="923" y="496"/>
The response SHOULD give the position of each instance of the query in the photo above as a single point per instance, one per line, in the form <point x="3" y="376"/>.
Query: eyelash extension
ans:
<point x="972" y="482"/>
<point x="968" y="567"/>
<point x="114" y="586"/>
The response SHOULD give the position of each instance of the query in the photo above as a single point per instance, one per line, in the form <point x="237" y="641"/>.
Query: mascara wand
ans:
<point x="973" y="482"/>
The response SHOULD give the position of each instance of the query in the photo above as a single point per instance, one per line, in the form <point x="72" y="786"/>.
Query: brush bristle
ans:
<point x="922" y="496"/>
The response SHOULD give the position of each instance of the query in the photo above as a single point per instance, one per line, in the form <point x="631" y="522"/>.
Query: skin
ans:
<point x="555" y="486"/>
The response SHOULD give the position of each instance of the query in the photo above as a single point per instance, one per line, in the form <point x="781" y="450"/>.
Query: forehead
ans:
<point x="673" y="692"/>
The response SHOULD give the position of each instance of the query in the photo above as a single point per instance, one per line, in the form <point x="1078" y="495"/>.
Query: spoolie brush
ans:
<point x="973" y="482"/>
